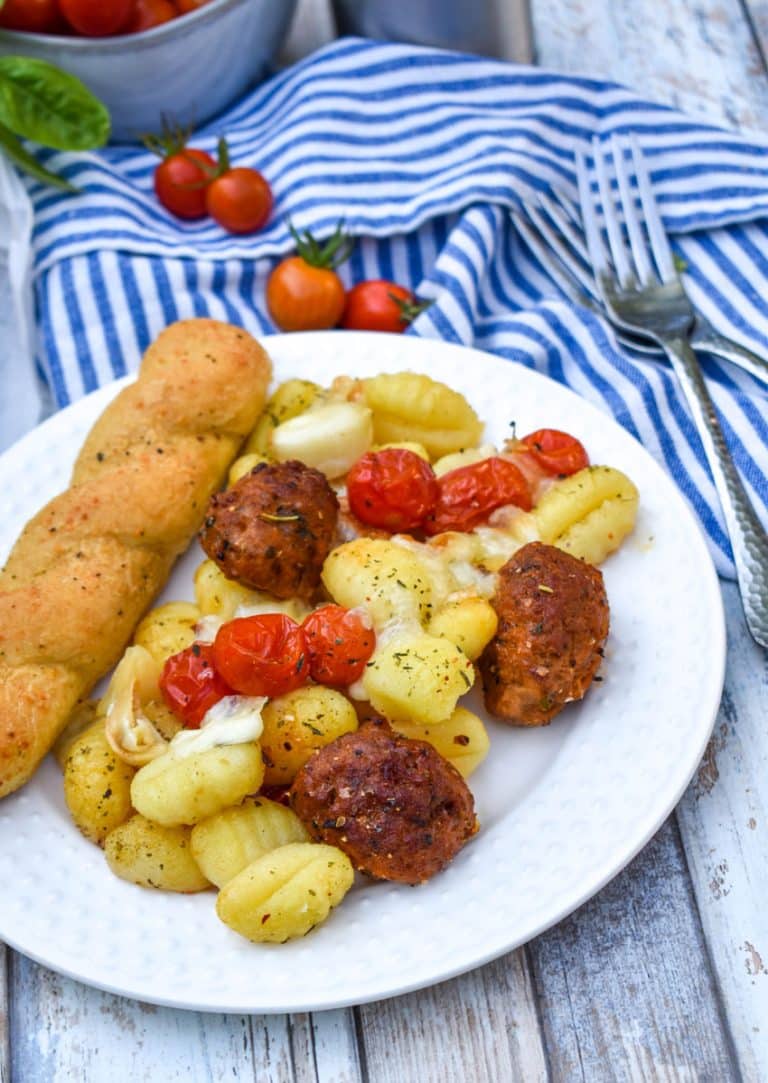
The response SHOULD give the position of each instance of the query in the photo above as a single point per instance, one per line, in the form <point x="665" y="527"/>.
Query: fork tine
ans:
<point x="659" y="243"/>
<point x="559" y="236"/>
<point x="619" y="253"/>
<point x="550" y="260"/>
<point x="637" y="242"/>
<point x="565" y="217"/>
<point x="597" y="253"/>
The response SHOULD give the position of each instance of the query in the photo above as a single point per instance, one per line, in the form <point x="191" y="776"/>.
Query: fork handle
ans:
<point x="705" y="338"/>
<point x="748" y="538"/>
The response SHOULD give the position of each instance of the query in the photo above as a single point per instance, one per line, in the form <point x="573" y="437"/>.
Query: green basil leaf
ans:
<point x="24" y="159"/>
<point x="38" y="101"/>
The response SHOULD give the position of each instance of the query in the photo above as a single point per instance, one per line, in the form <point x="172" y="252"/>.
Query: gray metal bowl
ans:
<point x="189" y="69"/>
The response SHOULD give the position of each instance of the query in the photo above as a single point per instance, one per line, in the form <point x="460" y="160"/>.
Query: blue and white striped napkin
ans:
<point x="422" y="153"/>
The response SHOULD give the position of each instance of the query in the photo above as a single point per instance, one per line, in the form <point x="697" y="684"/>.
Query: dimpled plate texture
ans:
<point x="562" y="808"/>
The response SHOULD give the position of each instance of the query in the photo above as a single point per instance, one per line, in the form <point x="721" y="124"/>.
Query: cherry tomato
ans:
<point x="393" y="488"/>
<point x="304" y="293"/>
<point x="181" y="180"/>
<point x="339" y="644"/>
<point x="184" y="7"/>
<point x="557" y="453"/>
<point x="97" y="18"/>
<point x="150" y="13"/>
<point x="32" y="16"/>
<point x="469" y="495"/>
<point x="190" y="684"/>
<point x="264" y="655"/>
<point x="239" y="199"/>
<point x="378" y="305"/>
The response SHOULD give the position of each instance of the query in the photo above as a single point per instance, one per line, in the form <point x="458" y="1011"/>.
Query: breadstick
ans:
<point x="88" y="565"/>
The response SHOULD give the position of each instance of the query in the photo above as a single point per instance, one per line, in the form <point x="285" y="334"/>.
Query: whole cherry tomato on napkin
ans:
<point x="304" y="292"/>
<point x="238" y="198"/>
<point x="379" y="305"/>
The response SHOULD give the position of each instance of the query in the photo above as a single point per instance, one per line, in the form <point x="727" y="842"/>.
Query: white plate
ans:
<point x="562" y="808"/>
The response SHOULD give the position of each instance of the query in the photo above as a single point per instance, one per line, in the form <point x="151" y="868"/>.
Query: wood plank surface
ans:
<point x="481" y="1027"/>
<point x="624" y="983"/>
<point x="724" y="824"/>
<point x="698" y="55"/>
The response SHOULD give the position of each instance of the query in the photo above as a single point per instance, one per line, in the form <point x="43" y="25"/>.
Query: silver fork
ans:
<point x="639" y="300"/>
<point x="549" y="226"/>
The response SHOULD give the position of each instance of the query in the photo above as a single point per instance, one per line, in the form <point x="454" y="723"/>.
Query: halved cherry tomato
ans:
<point x="304" y="293"/>
<point x="239" y="199"/>
<point x="191" y="685"/>
<point x="393" y="488"/>
<point x="339" y="644"/>
<point x="265" y="655"/>
<point x="31" y="16"/>
<point x="469" y="495"/>
<point x="150" y="13"/>
<point x="379" y="305"/>
<point x="557" y="453"/>
<point x="97" y="18"/>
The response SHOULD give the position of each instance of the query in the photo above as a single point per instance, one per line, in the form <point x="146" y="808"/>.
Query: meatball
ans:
<point x="273" y="529"/>
<point x="553" y="623"/>
<point x="396" y="808"/>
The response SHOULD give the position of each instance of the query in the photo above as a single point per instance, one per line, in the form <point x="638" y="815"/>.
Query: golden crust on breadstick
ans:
<point x="88" y="565"/>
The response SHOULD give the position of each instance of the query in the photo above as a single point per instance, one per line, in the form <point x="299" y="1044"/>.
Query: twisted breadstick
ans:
<point x="88" y="565"/>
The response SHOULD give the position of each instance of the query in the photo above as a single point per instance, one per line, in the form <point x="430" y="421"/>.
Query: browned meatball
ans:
<point x="396" y="808"/>
<point x="553" y="623"/>
<point x="273" y="529"/>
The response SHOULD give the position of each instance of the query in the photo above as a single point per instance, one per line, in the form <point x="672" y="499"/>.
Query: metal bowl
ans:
<point x="188" y="69"/>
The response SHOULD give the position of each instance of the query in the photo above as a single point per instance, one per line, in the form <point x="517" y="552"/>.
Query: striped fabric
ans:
<point x="421" y="153"/>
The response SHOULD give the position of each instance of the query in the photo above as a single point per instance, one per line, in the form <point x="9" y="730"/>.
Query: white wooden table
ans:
<point x="662" y="976"/>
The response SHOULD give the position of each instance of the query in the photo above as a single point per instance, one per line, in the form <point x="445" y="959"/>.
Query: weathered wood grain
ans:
<point x="624" y="984"/>
<point x="724" y="825"/>
<point x="325" y="1048"/>
<point x="481" y="1027"/>
<point x="698" y="55"/>
<point x="62" y="1031"/>
<point x="757" y="13"/>
<point x="5" y="1048"/>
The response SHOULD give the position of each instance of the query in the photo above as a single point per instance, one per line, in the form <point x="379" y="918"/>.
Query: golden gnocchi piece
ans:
<point x="167" y="629"/>
<point x="83" y="716"/>
<point x="243" y="465"/>
<point x="392" y="582"/>
<point x="417" y="678"/>
<point x="297" y="724"/>
<point x="220" y="597"/>
<point x="286" y="893"/>
<point x="289" y="400"/>
<point x="588" y="514"/>
<point x="404" y="445"/>
<point x="412" y="406"/>
<point x="465" y="457"/>
<point x="97" y="784"/>
<point x="462" y="739"/>
<point x="173" y="790"/>
<point x="225" y="843"/>
<point x="149" y="855"/>
<point x="469" y="622"/>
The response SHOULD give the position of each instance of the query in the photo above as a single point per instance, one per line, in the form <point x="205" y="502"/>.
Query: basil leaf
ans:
<point x="24" y="159"/>
<point x="38" y="101"/>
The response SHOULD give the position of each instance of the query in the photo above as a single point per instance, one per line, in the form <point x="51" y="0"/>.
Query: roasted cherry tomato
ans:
<point x="185" y="6"/>
<point x="339" y="643"/>
<point x="264" y="655"/>
<point x="97" y="18"/>
<point x="150" y="13"/>
<point x="378" y="305"/>
<point x="304" y="292"/>
<point x="469" y="495"/>
<point x="557" y="453"/>
<point x="191" y="685"/>
<point x="32" y="16"/>
<point x="393" y="488"/>
<point x="239" y="199"/>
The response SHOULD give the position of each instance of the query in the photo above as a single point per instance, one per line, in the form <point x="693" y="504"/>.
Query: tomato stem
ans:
<point x="330" y="255"/>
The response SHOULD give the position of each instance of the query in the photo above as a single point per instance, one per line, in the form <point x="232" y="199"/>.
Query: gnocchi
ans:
<point x="297" y="723"/>
<point x="411" y="406"/>
<point x="150" y="855"/>
<point x="588" y="514"/>
<point x="285" y="893"/>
